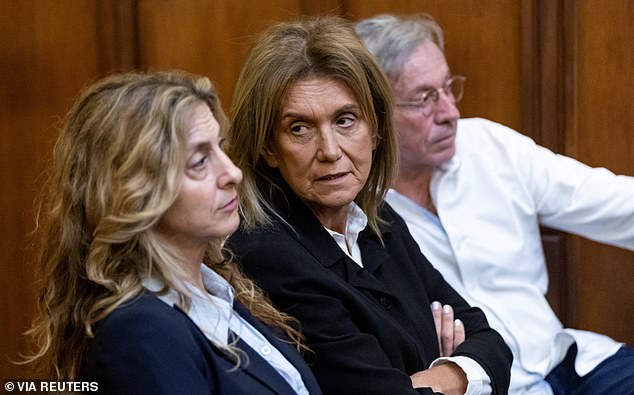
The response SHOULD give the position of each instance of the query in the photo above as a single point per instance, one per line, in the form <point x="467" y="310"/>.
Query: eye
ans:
<point x="298" y="128"/>
<point x="200" y="162"/>
<point x="346" y="120"/>
<point x="222" y="143"/>
<point x="428" y="96"/>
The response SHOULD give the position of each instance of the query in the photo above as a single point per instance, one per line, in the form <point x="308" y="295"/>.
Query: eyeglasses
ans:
<point x="453" y="88"/>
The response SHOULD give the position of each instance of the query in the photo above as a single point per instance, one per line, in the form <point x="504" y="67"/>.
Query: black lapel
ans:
<point x="307" y="229"/>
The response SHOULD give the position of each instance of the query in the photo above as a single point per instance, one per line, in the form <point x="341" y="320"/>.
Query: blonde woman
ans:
<point x="137" y="295"/>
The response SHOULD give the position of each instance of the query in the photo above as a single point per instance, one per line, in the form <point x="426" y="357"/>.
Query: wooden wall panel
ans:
<point x="547" y="62"/>
<point x="211" y="38"/>
<point x="482" y="42"/>
<point x="604" y="136"/>
<point x="49" y="51"/>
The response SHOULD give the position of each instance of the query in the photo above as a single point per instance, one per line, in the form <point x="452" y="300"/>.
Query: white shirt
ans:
<point x="491" y="198"/>
<point x="478" y="382"/>
<point x="213" y="313"/>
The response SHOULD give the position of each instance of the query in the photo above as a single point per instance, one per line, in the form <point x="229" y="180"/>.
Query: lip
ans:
<point x="445" y="138"/>
<point x="333" y="177"/>
<point x="231" y="205"/>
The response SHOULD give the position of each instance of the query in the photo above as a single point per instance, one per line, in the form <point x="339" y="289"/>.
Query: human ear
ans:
<point x="270" y="157"/>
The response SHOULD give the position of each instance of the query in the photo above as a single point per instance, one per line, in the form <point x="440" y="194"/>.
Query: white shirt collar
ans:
<point x="356" y="221"/>
<point x="211" y="311"/>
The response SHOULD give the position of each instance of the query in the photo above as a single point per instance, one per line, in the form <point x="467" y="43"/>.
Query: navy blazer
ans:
<point x="149" y="347"/>
<point x="370" y="328"/>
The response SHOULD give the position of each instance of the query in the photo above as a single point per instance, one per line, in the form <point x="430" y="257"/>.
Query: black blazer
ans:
<point x="370" y="328"/>
<point x="148" y="347"/>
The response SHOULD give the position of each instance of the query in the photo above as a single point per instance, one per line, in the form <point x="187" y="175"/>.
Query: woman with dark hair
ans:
<point x="312" y="132"/>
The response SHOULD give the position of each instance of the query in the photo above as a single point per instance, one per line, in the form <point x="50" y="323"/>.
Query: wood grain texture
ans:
<point x="49" y="50"/>
<point x="604" y="136"/>
<point x="210" y="38"/>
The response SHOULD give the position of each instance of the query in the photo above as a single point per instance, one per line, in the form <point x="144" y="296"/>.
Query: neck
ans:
<point x="332" y="218"/>
<point x="189" y="252"/>
<point x="192" y="263"/>
<point x="196" y="276"/>
<point x="415" y="185"/>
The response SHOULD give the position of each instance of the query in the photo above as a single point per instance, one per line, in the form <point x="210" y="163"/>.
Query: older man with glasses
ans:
<point x="474" y="193"/>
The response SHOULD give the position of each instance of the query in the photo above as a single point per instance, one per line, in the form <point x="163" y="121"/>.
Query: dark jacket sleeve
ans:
<point x="483" y="344"/>
<point x="345" y="357"/>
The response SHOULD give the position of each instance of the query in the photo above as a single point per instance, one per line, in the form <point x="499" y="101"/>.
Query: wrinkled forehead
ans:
<point x="424" y="68"/>
<point x="352" y="86"/>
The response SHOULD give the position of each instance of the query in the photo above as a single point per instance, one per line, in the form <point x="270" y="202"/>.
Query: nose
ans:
<point x="446" y="109"/>
<point x="328" y="149"/>
<point x="230" y="175"/>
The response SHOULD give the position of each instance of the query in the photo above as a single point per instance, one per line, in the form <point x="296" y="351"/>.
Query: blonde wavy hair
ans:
<point x="284" y="54"/>
<point x="117" y="167"/>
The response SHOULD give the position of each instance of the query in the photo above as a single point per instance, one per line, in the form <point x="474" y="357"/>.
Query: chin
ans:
<point x="234" y="226"/>
<point x="228" y="228"/>
<point x="445" y="156"/>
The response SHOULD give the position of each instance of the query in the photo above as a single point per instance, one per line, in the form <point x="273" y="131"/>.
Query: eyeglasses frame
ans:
<point x="434" y="95"/>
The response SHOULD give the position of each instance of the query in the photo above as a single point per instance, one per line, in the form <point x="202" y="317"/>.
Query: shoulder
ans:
<point x="144" y="322"/>
<point x="481" y="142"/>
<point x="293" y="233"/>
<point x="394" y="223"/>
<point x="263" y="243"/>
<point x="479" y="130"/>
<point x="396" y="235"/>
<point x="289" y="259"/>
<point x="270" y="254"/>
<point x="145" y="307"/>
<point x="147" y="346"/>
<point x="260" y="236"/>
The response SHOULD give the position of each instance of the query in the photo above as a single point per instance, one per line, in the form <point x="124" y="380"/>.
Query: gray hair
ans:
<point x="392" y="38"/>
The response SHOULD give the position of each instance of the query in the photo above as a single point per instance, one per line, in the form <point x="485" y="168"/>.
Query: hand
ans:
<point x="446" y="379"/>
<point x="450" y="332"/>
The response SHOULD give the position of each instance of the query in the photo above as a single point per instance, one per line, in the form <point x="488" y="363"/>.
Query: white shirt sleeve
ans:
<point x="478" y="381"/>
<point x="571" y="196"/>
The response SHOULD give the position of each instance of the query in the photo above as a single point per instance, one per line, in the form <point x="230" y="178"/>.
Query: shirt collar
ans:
<point x="356" y="221"/>
<point x="211" y="311"/>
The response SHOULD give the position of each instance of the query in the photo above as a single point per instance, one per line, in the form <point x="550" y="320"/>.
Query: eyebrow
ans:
<point x="349" y="107"/>
<point x="199" y="146"/>
<point x="294" y="115"/>
<point x="302" y="117"/>
<point x="427" y="87"/>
